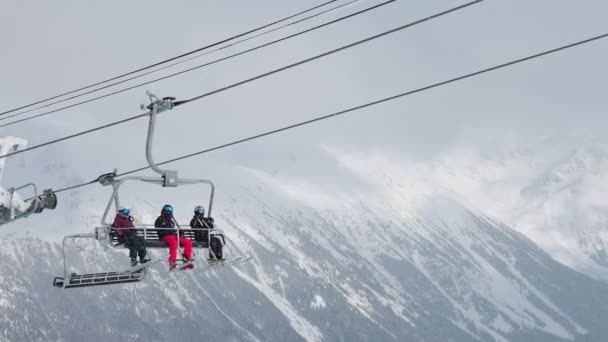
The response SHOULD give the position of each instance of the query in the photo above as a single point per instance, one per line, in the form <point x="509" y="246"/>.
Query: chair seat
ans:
<point x="152" y="241"/>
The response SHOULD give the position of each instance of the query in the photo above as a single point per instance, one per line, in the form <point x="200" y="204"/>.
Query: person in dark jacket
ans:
<point x="215" y="242"/>
<point x="200" y="221"/>
<point x="123" y="226"/>
<point x="169" y="236"/>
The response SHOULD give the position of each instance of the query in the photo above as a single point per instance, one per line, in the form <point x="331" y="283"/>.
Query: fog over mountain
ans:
<point x="474" y="211"/>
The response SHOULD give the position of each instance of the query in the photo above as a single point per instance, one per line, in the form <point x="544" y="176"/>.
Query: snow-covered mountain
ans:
<point x="553" y="191"/>
<point x="394" y="265"/>
<point x="402" y="256"/>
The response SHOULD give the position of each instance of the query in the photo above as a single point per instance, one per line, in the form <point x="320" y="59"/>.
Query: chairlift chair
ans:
<point x="105" y="232"/>
<point x="34" y="205"/>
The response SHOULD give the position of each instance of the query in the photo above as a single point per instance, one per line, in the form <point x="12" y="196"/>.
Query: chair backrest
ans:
<point x="199" y="239"/>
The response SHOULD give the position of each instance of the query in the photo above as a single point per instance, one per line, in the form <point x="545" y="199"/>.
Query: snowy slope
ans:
<point x="553" y="191"/>
<point x="419" y="251"/>
<point x="389" y="266"/>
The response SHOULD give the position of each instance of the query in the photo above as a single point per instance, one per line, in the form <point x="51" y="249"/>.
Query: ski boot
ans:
<point x="187" y="264"/>
<point x="172" y="265"/>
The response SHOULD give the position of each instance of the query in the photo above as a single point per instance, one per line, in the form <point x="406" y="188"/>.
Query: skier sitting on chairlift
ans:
<point x="169" y="236"/>
<point x="200" y="221"/>
<point x="215" y="242"/>
<point x="123" y="224"/>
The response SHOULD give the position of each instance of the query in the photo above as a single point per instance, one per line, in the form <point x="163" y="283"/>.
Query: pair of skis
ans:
<point x="185" y="266"/>
<point x="213" y="264"/>
<point x="139" y="267"/>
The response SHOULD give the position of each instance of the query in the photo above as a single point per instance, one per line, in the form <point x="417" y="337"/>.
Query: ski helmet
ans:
<point x="168" y="208"/>
<point x="199" y="209"/>
<point x="124" y="211"/>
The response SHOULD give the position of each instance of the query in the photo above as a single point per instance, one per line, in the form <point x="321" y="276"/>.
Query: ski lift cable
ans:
<point x="124" y="80"/>
<point x="331" y="52"/>
<point x="200" y="66"/>
<point x="369" y="104"/>
<point x="172" y="58"/>
<point x="255" y="78"/>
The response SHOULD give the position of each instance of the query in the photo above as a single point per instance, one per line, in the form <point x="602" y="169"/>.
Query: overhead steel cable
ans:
<point x="178" y="103"/>
<point x="75" y="186"/>
<point x="124" y="80"/>
<point x="205" y="64"/>
<point x="331" y="52"/>
<point x="362" y="106"/>
<point x="172" y="58"/>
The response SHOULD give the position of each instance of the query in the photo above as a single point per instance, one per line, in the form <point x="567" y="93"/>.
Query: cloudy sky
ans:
<point x="51" y="47"/>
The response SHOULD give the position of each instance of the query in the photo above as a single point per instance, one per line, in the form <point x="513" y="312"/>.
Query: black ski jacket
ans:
<point x="165" y="222"/>
<point x="199" y="221"/>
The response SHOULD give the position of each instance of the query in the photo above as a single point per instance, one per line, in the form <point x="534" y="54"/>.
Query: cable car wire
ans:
<point x="180" y="62"/>
<point x="173" y="58"/>
<point x="362" y="106"/>
<point x="255" y="78"/>
<point x="202" y="65"/>
<point x="331" y="52"/>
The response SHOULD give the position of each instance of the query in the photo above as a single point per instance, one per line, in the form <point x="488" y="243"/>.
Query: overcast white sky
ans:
<point x="50" y="47"/>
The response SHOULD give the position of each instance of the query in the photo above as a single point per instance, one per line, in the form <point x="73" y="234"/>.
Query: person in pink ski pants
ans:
<point x="169" y="236"/>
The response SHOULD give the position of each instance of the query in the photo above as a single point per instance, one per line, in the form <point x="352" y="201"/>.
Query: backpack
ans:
<point x="203" y="235"/>
<point x="216" y="245"/>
